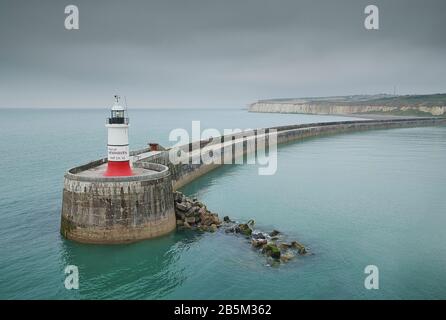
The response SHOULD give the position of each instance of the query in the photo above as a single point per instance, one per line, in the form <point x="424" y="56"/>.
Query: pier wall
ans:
<point x="117" y="210"/>
<point x="100" y="209"/>
<point x="185" y="173"/>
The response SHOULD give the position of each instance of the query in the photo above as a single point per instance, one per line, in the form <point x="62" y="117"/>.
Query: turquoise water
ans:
<point x="355" y="199"/>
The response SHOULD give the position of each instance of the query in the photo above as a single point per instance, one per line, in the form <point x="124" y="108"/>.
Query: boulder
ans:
<point x="226" y="219"/>
<point x="300" y="247"/>
<point x="287" y="256"/>
<point x="180" y="223"/>
<point x="190" y="220"/>
<point x="244" y="228"/>
<point x="213" y="227"/>
<point x="187" y="225"/>
<point x="258" y="235"/>
<point x="215" y="219"/>
<point x="274" y="233"/>
<point x="206" y="219"/>
<point x="183" y="206"/>
<point x="180" y="215"/>
<point x="257" y="243"/>
<point x="285" y="245"/>
<point x="178" y="196"/>
<point x="197" y="204"/>
<point x="191" y="212"/>
<point x="271" y="250"/>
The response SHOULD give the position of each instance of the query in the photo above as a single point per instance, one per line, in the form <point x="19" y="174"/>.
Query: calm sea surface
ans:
<point x="357" y="199"/>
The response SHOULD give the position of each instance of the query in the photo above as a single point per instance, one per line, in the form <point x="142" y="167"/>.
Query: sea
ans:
<point x="372" y="198"/>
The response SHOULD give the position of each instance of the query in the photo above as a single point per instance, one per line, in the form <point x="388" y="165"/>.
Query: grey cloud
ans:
<point x="197" y="53"/>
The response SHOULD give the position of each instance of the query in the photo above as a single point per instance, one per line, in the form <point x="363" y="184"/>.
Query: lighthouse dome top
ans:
<point x="117" y="114"/>
<point x="117" y="106"/>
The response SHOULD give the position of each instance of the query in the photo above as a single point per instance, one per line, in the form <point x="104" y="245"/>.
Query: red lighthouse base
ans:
<point x="118" y="169"/>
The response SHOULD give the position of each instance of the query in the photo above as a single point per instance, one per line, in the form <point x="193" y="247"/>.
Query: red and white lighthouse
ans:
<point x="118" y="142"/>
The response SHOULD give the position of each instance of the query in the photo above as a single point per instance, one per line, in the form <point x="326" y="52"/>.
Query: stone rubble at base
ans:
<point x="193" y="214"/>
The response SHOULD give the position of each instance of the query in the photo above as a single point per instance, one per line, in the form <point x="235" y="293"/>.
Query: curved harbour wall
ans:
<point x="117" y="210"/>
<point x="185" y="173"/>
<point x="100" y="209"/>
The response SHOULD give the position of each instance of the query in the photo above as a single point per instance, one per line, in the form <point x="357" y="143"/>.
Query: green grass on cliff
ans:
<point x="407" y="113"/>
<point x="431" y="100"/>
<point x="425" y="100"/>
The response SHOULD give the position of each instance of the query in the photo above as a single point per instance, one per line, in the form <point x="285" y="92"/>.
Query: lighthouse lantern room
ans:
<point x="118" y="142"/>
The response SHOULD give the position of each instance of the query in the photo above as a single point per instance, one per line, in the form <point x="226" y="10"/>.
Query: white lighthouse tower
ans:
<point x="118" y="142"/>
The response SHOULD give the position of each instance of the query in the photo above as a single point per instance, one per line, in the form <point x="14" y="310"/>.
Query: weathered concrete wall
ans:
<point x="183" y="174"/>
<point x="117" y="210"/>
<point x="282" y="107"/>
<point x="126" y="209"/>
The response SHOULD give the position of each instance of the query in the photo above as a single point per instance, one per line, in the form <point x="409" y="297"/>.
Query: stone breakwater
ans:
<point x="308" y="108"/>
<point x="97" y="209"/>
<point x="184" y="173"/>
<point x="193" y="214"/>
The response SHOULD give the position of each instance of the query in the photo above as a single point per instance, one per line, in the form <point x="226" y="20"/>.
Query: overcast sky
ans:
<point x="206" y="53"/>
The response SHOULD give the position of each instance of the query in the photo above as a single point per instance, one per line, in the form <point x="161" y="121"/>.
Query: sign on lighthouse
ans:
<point x="118" y="142"/>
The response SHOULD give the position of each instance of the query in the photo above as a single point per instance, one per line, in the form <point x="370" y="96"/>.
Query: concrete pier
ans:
<point x="183" y="174"/>
<point x="98" y="209"/>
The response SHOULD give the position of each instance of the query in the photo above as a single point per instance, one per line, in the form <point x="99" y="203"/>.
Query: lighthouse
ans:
<point x="118" y="142"/>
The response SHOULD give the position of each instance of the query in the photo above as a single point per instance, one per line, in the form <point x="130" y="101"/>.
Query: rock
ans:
<point x="287" y="256"/>
<point x="230" y="230"/>
<point x="178" y="196"/>
<point x="258" y="235"/>
<point x="256" y="243"/>
<point x="300" y="247"/>
<point x="183" y="206"/>
<point x="198" y="204"/>
<point x="215" y="219"/>
<point x="180" y="215"/>
<point x="194" y="214"/>
<point x="191" y="212"/>
<point x="271" y="250"/>
<point x="285" y="245"/>
<point x="190" y="220"/>
<point x="274" y="233"/>
<point x="206" y="219"/>
<point x="244" y="228"/>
